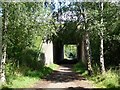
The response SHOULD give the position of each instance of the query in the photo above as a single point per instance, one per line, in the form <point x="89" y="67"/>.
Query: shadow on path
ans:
<point x="63" y="79"/>
<point x="64" y="74"/>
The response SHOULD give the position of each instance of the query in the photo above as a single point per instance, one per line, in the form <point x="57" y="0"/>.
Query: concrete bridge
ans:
<point x="54" y="51"/>
<point x="70" y="34"/>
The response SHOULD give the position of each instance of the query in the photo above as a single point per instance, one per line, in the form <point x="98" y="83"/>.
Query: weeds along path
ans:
<point x="64" y="79"/>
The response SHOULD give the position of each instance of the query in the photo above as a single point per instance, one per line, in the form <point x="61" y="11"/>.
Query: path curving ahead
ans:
<point x="64" y="79"/>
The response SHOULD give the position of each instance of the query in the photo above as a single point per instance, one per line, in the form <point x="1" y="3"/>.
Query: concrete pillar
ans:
<point x="47" y="49"/>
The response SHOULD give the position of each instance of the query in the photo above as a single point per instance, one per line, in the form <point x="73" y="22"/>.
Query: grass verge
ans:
<point x="80" y="68"/>
<point x="25" y="78"/>
<point x="110" y="79"/>
<point x="53" y="66"/>
<point x="21" y="82"/>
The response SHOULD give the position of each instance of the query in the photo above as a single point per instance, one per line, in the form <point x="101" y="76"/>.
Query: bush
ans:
<point x="29" y="58"/>
<point x="80" y="68"/>
<point x="10" y="71"/>
<point x="108" y="80"/>
<point x="111" y="79"/>
<point x="24" y="76"/>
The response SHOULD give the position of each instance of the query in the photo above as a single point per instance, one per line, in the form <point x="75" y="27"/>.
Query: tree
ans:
<point x="87" y="43"/>
<point x="101" y="41"/>
<point x="26" y="22"/>
<point x="4" y="44"/>
<point x="111" y="33"/>
<point x="102" y="22"/>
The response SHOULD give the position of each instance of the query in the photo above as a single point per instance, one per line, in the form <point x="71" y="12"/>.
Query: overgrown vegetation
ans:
<point x="70" y="51"/>
<point x="24" y="77"/>
<point x="80" y="68"/>
<point x="22" y="40"/>
<point x="110" y="79"/>
<point x="94" y="26"/>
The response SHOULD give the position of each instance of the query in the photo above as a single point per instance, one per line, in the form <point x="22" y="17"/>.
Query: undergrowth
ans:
<point x="111" y="79"/>
<point x="80" y="68"/>
<point x="24" y="76"/>
<point x="108" y="80"/>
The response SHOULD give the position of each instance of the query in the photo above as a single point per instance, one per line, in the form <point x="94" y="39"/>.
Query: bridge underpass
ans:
<point x="54" y="50"/>
<point x="59" y="52"/>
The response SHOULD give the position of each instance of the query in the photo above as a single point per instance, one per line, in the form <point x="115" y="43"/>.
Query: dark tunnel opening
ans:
<point x="66" y="53"/>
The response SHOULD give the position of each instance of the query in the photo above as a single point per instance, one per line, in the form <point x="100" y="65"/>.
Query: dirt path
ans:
<point x="64" y="79"/>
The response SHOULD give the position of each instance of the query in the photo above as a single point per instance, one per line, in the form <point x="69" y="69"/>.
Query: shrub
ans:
<point x="109" y="80"/>
<point x="80" y="68"/>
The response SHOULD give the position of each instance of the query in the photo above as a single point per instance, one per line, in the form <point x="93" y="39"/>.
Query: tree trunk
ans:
<point x="101" y="42"/>
<point x="83" y="51"/>
<point x="87" y="46"/>
<point x="3" y="80"/>
<point x="1" y="49"/>
<point x="90" y="70"/>
<point x="4" y="46"/>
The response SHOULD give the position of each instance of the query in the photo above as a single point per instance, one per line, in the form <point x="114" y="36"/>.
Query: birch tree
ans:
<point x="0" y="40"/>
<point x="87" y="44"/>
<point x="102" y="41"/>
<point x="4" y="44"/>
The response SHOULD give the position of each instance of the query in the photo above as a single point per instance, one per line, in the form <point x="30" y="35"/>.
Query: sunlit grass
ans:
<point x="110" y="79"/>
<point x="28" y="78"/>
<point x="80" y="68"/>
<point x="53" y="66"/>
<point x="23" y="82"/>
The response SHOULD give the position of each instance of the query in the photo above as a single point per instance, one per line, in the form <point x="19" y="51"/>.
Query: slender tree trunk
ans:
<point x="0" y="44"/>
<point x="101" y="42"/>
<point x="3" y="80"/>
<point x="4" y="46"/>
<point x="90" y="70"/>
<point x="83" y="51"/>
<point x="87" y="46"/>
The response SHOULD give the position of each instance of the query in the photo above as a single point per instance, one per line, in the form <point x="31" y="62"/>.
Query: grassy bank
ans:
<point x="21" y="82"/>
<point x="111" y="79"/>
<point x="25" y="78"/>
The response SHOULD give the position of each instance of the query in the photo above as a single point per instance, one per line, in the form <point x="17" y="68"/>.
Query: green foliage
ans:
<point x="108" y="80"/>
<point x="111" y="20"/>
<point x="38" y="73"/>
<point x="24" y="76"/>
<point x="80" y="68"/>
<point x="21" y="82"/>
<point x="28" y="23"/>
<point x="10" y="71"/>
<point x="37" y="40"/>
<point x="96" y="68"/>
<point x="29" y="58"/>
<point x="22" y="28"/>
<point x="70" y="49"/>
<point x="53" y="66"/>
